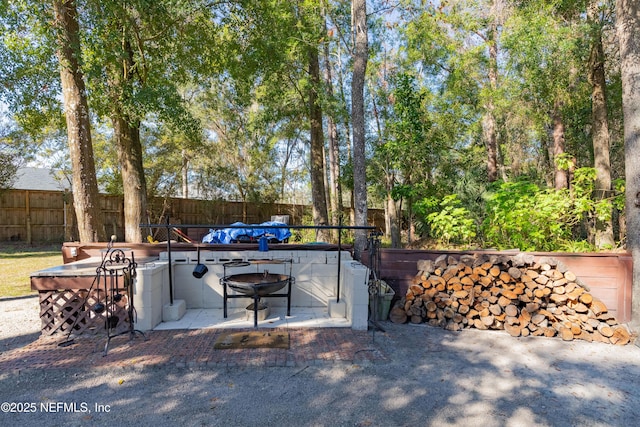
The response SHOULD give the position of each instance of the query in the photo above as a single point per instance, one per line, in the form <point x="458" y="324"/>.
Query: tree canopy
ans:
<point x="471" y="122"/>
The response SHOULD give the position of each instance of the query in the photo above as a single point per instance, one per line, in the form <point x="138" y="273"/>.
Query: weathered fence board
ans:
<point x="48" y="216"/>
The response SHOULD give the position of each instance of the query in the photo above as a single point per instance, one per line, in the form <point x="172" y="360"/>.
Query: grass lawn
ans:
<point x="18" y="261"/>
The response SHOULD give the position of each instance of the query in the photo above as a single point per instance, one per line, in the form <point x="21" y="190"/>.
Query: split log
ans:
<point x="511" y="310"/>
<point x="621" y="336"/>
<point x="426" y="266"/>
<point x="495" y="309"/>
<point x="398" y="315"/>
<point x="487" y="320"/>
<point x="566" y="334"/>
<point x="514" y="272"/>
<point x="586" y="298"/>
<point x="605" y="330"/>
<point x="598" y="307"/>
<point x="570" y="276"/>
<point x="514" y="293"/>
<point x="513" y="330"/>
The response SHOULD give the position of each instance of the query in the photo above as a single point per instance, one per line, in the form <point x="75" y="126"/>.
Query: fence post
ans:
<point x="28" y="209"/>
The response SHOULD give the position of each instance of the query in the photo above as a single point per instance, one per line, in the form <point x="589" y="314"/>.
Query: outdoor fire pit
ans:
<point x="259" y="284"/>
<point x="256" y="285"/>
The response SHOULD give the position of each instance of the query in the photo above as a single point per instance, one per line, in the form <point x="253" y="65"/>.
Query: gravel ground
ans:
<point x="431" y="377"/>
<point x="19" y="322"/>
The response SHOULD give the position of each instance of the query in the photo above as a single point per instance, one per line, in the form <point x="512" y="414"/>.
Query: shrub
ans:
<point x="521" y="215"/>
<point x="453" y="222"/>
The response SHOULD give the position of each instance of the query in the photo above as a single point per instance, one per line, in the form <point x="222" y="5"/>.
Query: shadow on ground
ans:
<point x="7" y="344"/>
<point x="424" y="376"/>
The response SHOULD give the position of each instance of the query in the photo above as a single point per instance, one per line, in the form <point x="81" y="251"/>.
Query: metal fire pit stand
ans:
<point x="256" y="295"/>
<point x="374" y="277"/>
<point x="115" y="274"/>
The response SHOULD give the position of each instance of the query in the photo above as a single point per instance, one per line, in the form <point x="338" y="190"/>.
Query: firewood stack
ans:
<point x="514" y="293"/>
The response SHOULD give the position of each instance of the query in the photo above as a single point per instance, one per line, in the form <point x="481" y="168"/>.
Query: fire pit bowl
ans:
<point x="257" y="284"/>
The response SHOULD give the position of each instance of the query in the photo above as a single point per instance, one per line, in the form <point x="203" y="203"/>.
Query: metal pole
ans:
<point x="247" y="226"/>
<point x="169" y="259"/>
<point x="339" y="255"/>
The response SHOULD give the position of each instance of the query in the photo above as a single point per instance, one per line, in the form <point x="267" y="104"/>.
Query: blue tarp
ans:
<point x="231" y="234"/>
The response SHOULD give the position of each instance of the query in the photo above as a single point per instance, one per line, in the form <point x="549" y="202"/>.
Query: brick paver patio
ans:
<point x="193" y="348"/>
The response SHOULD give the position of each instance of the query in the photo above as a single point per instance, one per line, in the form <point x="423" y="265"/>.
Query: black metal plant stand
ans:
<point x="115" y="275"/>
<point x="374" y="277"/>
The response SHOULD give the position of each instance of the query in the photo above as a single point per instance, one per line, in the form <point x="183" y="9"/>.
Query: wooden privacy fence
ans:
<point x="48" y="216"/>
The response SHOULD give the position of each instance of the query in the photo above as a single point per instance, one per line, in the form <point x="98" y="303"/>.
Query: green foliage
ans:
<point x="619" y="194"/>
<point x="28" y="67"/>
<point x="9" y="159"/>
<point x="452" y="223"/>
<point x="310" y="235"/>
<point x="521" y="215"/>
<point x="583" y="186"/>
<point x="577" y="246"/>
<point x="563" y="161"/>
<point x="224" y="85"/>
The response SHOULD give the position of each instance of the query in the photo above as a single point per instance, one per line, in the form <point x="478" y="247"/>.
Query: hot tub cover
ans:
<point x="231" y="234"/>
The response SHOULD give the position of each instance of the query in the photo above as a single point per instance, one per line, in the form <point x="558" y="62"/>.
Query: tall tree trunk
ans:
<point x="347" y="137"/>
<point x="335" y="193"/>
<point x="600" y="127"/>
<point x="489" y="126"/>
<point x="319" y="201"/>
<point x="127" y="136"/>
<point x="628" y="29"/>
<point x="361" y="55"/>
<point x="285" y="168"/>
<point x="393" y="223"/>
<point x="85" y="187"/>
<point x="327" y="196"/>
<point x="185" y="174"/>
<point x="392" y="226"/>
<point x="491" y="142"/>
<point x="133" y="179"/>
<point x="561" y="178"/>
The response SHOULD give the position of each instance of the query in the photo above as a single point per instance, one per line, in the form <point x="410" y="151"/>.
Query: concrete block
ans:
<point x="324" y="270"/>
<point x="148" y="290"/>
<point x="301" y="272"/>
<point x="209" y="257"/>
<point x="323" y="290"/>
<point x="332" y="257"/>
<point x="186" y="286"/>
<point x="180" y="257"/>
<point x="317" y="257"/>
<point x="234" y="255"/>
<point x="359" y="317"/>
<point x="212" y="294"/>
<point x="302" y="294"/>
<point x="175" y="311"/>
<point x="263" y="312"/>
<point x="337" y="309"/>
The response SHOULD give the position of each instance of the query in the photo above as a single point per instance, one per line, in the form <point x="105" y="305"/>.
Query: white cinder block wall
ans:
<point x="355" y="276"/>
<point x="151" y="289"/>
<point x="315" y="276"/>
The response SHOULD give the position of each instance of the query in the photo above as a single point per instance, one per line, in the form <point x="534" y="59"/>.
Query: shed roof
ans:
<point x="28" y="178"/>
